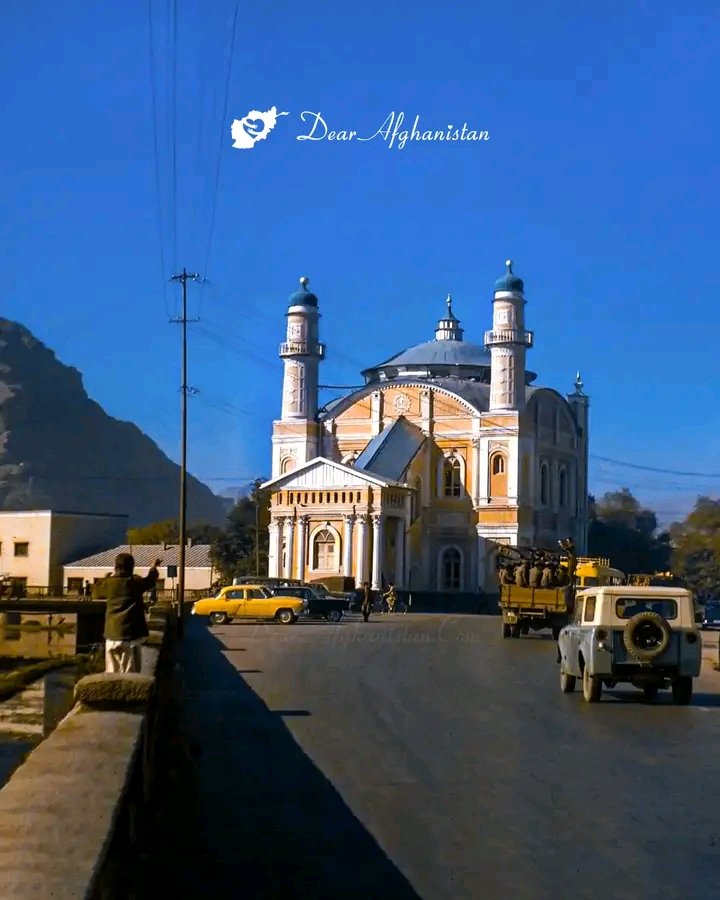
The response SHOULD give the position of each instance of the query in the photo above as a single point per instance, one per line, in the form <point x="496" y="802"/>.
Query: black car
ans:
<point x="711" y="614"/>
<point x="319" y="606"/>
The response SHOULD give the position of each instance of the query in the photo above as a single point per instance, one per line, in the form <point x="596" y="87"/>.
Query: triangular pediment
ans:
<point x="326" y="473"/>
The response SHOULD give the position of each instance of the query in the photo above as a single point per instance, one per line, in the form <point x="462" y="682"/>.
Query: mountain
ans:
<point x="237" y="493"/>
<point x="60" y="450"/>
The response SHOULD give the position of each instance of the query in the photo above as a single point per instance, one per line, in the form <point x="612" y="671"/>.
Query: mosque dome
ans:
<point x="509" y="281"/>
<point x="303" y="297"/>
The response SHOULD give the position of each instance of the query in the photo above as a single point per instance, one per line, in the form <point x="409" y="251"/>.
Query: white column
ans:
<point x="275" y="548"/>
<point x="360" y="566"/>
<point x="302" y="524"/>
<point x="477" y="480"/>
<point x="290" y="531"/>
<point x="377" y="555"/>
<point x="348" y="546"/>
<point x="399" y="553"/>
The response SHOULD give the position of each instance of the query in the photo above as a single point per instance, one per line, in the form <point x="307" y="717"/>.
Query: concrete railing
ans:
<point x="71" y="815"/>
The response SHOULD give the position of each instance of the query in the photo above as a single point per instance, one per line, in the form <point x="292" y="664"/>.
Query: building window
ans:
<point x="287" y="465"/>
<point x="324" y="550"/>
<point x="450" y="569"/>
<point x="417" y="498"/>
<point x="544" y="484"/>
<point x="498" y="476"/>
<point x="562" y="482"/>
<point x="22" y="548"/>
<point x="452" y="477"/>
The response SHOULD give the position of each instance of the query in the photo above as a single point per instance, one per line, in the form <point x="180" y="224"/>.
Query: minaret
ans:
<point x="448" y="329"/>
<point x="508" y="342"/>
<point x="580" y="405"/>
<point x="296" y="436"/>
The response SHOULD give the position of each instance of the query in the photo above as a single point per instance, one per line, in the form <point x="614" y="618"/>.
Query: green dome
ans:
<point x="509" y="282"/>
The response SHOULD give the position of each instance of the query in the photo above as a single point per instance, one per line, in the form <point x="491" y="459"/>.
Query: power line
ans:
<point x="174" y="131"/>
<point x="221" y="137"/>
<point x="156" y="154"/>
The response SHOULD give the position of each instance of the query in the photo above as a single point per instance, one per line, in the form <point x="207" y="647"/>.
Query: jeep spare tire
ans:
<point x="646" y="636"/>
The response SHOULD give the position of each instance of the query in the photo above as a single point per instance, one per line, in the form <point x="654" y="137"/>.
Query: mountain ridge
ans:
<point x="60" y="449"/>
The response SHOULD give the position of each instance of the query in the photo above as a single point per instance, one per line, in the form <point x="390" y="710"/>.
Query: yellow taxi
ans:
<point x="248" y="601"/>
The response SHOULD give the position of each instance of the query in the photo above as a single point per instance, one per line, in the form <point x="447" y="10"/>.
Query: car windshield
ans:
<point x="626" y="607"/>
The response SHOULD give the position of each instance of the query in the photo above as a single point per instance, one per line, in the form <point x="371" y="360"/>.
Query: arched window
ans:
<point x="498" y="476"/>
<point x="544" y="484"/>
<point x="324" y="550"/>
<point x="450" y="569"/>
<point x="287" y="465"/>
<point x="452" y="477"/>
<point x="562" y="483"/>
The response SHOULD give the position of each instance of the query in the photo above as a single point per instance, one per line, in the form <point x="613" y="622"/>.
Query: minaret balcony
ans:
<point x="516" y="336"/>
<point x="302" y="348"/>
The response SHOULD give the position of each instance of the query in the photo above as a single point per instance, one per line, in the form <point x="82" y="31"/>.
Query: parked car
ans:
<point x="644" y="636"/>
<point x="249" y="601"/>
<point x="711" y="614"/>
<point x="318" y="605"/>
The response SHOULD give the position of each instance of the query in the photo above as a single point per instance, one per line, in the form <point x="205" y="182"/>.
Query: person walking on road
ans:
<point x="366" y="607"/>
<point x="125" y="625"/>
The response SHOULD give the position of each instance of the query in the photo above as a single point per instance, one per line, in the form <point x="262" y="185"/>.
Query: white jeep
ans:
<point x="645" y="636"/>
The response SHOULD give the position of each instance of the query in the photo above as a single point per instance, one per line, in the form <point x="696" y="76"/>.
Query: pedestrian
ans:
<point x="546" y="579"/>
<point x="125" y="626"/>
<point x="87" y="590"/>
<point x="366" y="607"/>
<point x="535" y="576"/>
<point x="522" y="574"/>
<point x="390" y="597"/>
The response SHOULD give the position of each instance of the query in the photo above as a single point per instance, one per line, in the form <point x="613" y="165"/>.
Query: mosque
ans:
<point x="447" y="451"/>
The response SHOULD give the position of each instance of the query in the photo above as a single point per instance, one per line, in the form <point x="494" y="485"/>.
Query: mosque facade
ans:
<point x="448" y="451"/>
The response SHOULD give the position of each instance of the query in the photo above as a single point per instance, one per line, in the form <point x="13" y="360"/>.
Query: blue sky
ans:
<point x="600" y="179"/>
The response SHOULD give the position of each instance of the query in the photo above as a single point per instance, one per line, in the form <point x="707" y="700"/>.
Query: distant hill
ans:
<point x="60" y="450"/>
<point x="237" y="493"/>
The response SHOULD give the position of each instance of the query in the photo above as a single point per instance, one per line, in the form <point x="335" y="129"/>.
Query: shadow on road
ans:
<point x="251" y="815"/>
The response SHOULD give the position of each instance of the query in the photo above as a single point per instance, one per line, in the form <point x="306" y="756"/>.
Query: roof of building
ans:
<point x="390" y="453"/>
<point x="197" y="556"/>
<point x="448" y="353"/>
<point x="303" y="297"/>
<point x="509" y="281"/>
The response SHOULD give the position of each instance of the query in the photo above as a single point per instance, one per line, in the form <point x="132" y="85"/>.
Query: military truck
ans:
<point x="525" y="607"/>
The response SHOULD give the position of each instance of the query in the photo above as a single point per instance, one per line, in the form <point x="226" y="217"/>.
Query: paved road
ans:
<point x="424" y="756"/>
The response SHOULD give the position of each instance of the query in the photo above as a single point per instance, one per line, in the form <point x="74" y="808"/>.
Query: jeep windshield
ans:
<point x="626" y="607"/>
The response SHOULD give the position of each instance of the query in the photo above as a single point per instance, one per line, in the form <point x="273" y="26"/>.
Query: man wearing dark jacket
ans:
<point x="125" y="626"/>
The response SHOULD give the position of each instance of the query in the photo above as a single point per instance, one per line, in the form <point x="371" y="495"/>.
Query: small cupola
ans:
<point x="448" y="329"/>
<point x="509" y="281"/>
<point x="303" y="297"/>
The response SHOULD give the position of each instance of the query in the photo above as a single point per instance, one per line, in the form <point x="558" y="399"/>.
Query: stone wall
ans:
<point x="72" y="816"/>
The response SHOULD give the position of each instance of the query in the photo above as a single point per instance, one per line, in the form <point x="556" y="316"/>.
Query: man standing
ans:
<point x="366" y="607"/>
<point x="125" y="626"/>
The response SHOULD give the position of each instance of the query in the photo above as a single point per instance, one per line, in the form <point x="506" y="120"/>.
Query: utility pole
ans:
<point x="184" y="390"/>
<point x="256" y="485"/>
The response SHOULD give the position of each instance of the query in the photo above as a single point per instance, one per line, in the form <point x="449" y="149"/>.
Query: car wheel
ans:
<point x="682" y="689"/>
<point x="592" y="687"/>
<point x="219" y="618"/>
<point x="650" y="691"/>
<point x="285" y="616"/>
<point x="505" y="630"/>
<point x="335" y="615"/>
<point x="567" y="682"/>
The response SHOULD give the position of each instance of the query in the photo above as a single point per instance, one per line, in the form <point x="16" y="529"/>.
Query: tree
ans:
<point x="234" y="552"/>
<point x="625" y="532"/>
<point x="696" y="548"/>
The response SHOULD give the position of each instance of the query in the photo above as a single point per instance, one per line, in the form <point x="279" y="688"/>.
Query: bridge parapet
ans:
<point x="72" y="813"/>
